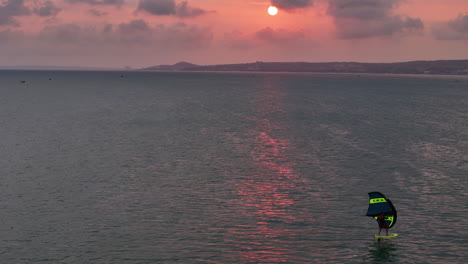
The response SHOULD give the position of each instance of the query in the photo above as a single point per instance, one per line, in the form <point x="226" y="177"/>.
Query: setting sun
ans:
<point x="272" y="10"/>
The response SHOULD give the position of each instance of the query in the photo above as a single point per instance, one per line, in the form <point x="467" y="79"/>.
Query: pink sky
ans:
<point x="140" y="33"/>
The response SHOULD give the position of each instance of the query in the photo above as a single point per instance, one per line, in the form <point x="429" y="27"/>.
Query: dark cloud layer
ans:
<point x="456" y="29"/>
<point x="11" y="9"/>
<point x="169" y="8"/>
<point x="291" y="4"/>
<point x="134" y="33"/>
<point x="133" y="26"/>
<point x="460" y="24"/>
<point x="98" y="2"/>
<point x="96" y="12"/>
<point x="370" y="18"/>
<point x="183" y="10"/>
<point x="361" y="9"/>
<point x="64" y="33"/>
<point x="47" y="8"/>
<point x="355" y="28"/>
<point x="361" y="18"/>
<point x="158" y="7"/>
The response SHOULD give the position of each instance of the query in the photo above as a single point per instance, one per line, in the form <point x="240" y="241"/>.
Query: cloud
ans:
<point x="387" y="26"/>
<point x="456" y="29"/>
<point x="47" y="8"/>
<point x="134" y="26"/>
<point x="158" y="7"/>
<point x="169" y="8"/>
<point x="136" y="33"/>
<point x="96" y="12"/>
<point x="361" y="9"/>
<point x="370" y="18"/>
<point x="291" y="4"/>
<point x="11" y="9"/>
<point x="460" y="24"/>
<point x="183" y="10"/>
<point x="269" y="34"/>
<point x="64" y="33"/>
<point x="98" y="2"/>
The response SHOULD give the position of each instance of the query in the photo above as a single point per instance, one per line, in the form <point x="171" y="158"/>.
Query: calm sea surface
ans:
<point x="141" y="167"/>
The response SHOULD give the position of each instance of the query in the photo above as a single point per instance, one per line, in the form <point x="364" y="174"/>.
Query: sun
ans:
<point x="272" y="10"/>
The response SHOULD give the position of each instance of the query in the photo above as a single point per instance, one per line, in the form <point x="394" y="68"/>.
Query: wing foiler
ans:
<point x="378" y="205"/>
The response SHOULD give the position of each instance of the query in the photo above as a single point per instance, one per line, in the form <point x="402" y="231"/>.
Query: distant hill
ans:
<point x="176" y="67"/>
<point x="450" y="67"/>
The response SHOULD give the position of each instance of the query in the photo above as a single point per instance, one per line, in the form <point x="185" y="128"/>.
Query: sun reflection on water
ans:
<point x="267" y="195"/>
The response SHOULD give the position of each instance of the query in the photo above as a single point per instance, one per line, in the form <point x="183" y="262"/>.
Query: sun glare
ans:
<point x="272" y="10"/>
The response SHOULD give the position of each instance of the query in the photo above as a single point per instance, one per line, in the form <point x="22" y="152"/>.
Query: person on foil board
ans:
<point x="382" y="223"/>
<point x="382" y="210"/>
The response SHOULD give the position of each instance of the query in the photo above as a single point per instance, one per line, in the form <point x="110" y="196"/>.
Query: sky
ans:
<point x="142" y="33"/>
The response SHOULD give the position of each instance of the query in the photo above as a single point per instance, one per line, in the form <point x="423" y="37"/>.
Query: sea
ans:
<point x="115" y="167"/>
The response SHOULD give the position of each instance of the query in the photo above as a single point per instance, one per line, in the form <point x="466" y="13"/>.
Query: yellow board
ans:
<point x="389" y="236"/>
